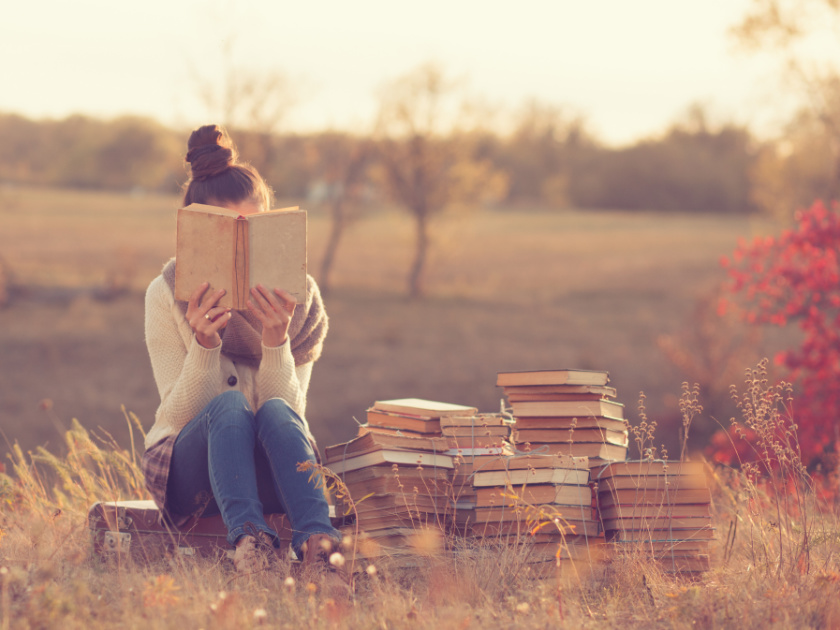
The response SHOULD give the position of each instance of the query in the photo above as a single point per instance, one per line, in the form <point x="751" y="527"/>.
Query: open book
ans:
<point x="236" y="252"/>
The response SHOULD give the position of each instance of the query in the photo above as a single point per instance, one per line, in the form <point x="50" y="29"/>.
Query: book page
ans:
<point x="277" y="251"/>
<point x="205" y="252"/>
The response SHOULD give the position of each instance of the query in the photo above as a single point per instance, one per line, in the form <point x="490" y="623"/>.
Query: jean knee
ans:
<point x="279" y="414"/>
<point x="229" y="407"/>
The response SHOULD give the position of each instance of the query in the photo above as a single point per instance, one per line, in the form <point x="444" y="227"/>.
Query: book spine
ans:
<point x="240" y="265"/>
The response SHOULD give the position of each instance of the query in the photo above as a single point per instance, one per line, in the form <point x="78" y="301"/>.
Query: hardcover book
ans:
<point x="236" y="252"/>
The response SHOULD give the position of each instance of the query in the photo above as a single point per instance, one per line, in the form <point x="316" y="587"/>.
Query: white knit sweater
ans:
<point x="189" y="376"/>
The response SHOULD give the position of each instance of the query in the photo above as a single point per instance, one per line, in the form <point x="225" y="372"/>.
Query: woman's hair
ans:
<point x="216" y="176"/>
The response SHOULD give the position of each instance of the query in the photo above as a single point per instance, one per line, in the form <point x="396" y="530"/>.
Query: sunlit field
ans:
<point x="506" y="289"/>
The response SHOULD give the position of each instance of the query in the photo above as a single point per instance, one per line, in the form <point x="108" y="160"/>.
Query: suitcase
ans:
<point x="136" y="530"/>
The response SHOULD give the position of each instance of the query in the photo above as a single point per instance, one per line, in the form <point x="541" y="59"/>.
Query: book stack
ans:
<point x="473" y="440"/>
<point x="658" y="507"/>
<point x="398" y="471"/>
<point x="543" y="501"/>
<point x="569" y="412"/>
<point x="414" y="417"/>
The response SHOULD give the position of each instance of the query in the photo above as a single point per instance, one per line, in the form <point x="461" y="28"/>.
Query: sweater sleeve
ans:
<point x="278" y="377"/>
<point x="186" y="376"/>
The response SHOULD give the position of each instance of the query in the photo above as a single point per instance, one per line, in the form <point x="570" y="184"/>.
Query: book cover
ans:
<point x="569" y="408"/>
<point x="236" y="252"/>
<point x="650" y="467"/>
<point x="553" y="377"/>
<point x="665" y="498"/>
<point x="540" y="494"/>
<point x="421" y="407"/>
<point x="407" y="458"/>
<point x="571" y="435"/>
<point x="499" y="478"/>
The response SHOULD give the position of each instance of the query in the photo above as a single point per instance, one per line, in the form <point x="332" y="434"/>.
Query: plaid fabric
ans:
<point x="155" y="463"/>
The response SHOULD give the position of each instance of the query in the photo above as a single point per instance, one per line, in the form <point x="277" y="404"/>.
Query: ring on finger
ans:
<point x="207" y="317"/>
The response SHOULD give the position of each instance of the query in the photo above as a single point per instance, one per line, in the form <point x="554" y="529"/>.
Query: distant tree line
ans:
<point x="548" y="159"/>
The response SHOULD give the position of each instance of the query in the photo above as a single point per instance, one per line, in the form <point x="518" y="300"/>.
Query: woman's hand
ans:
<point x="274" y="310"/>
<point x="205" y="318"/>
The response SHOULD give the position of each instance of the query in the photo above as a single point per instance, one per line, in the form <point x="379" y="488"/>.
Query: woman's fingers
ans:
<point x="195" y="298"/>
<point x="288" y="299"/>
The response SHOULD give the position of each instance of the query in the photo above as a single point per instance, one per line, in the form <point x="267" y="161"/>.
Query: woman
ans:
<point x="230" y="429"/>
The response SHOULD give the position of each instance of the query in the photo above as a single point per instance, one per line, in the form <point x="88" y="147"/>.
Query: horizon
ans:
<point x="646" y="76"/>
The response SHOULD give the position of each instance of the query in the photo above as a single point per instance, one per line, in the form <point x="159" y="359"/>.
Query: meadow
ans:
<point x="507" y="289"/>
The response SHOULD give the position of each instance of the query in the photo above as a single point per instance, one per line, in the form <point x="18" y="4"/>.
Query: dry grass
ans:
<point x="508" y="290"/>
<point x="49" y="578"/>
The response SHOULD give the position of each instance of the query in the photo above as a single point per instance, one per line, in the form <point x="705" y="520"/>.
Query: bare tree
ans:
<point x="343" y="161"/>
<point x="427" y="151"/>
<point x="254" y="104"/>
<point x="782" y="26"/>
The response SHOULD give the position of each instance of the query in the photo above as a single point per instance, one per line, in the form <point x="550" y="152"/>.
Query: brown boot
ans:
<point x="254" y="553"/>
<point x="332" y="578"/>
<point x="317" y="550"/>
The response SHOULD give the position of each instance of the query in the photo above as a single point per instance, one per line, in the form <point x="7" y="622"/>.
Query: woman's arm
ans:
<point x="278" y="377"/>
<point x="187" y="377"/>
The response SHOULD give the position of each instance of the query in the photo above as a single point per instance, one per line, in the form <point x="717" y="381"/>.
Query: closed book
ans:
<point x="697" y="533"/>
<point x="520" y="529"/>
<point x="422" y="407"/>
<point x="371" y="441"/>
<point x="475" y="431"/>
<point x="564" y="390"/>
<point x="555" y="422"/>
<point x="536" y="460"/>
<point x="403" y="458"/>
<point x="476" y="420"/>
<point x="407" y="475"/>
<point x="555" y="494"/>
<point x="652" y="482"/>
<point x="534" y="476"/>
<point x="372" y="428"/>
<point x="660" y="522"/>
<point x="654" y="497"/>
<point x="236" y="252"/>
<point x="553" y="377"/>
<point x="569" y="409"/>
<point x="389" y="420"/>
<point x="503" y="514"/>
<point x="608" y="512"/>
<point x="650" y="467"/>
<point x="597" y="453"/>
<point x="571" y="435"/>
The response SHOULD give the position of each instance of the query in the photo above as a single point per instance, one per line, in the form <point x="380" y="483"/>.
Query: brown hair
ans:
<point x="216" y="176"/>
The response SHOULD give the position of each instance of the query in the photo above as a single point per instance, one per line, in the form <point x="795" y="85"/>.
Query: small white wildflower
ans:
<point x="260" y="614"/>
<point x="523" y="608"/>
<point x="337" y="560"/>
<point x="289" y="582"/>
<point x="4" y="571"/>
<point x="371" y="570"/>
<point x="347" y="541"/>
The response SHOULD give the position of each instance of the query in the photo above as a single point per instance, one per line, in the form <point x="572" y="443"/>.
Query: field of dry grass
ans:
<point x="507" y="289"/>
<point x="774" y="565"/>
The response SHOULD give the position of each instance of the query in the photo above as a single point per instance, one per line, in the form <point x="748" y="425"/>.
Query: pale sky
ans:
<point x="630" y="67"/>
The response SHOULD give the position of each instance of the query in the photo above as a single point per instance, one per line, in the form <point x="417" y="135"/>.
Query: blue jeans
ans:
<point x="232" y="461"/>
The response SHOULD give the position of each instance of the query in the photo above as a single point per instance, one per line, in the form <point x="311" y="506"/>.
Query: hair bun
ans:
<point x="210" y="152"/>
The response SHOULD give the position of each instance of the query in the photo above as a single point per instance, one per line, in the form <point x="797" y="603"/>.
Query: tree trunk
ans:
<point x="339" y="222"/>
<point x="415" y="278"/>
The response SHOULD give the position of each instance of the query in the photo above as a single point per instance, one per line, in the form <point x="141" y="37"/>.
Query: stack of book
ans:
<point x="398" y="471"/>
<point x="543" y="501"/>
<point x="473" y="440"/>
<point x="415" y="417"/>
<point x="659" y="508"/>
<point x="569" y="412"/>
